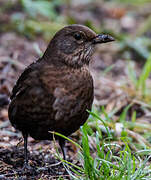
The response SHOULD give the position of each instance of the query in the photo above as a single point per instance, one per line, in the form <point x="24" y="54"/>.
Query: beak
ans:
<point x="103" y="38"/>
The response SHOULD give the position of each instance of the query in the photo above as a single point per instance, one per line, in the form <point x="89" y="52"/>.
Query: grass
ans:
<point x="110" y="157"/>
<point x="141" y="84"/>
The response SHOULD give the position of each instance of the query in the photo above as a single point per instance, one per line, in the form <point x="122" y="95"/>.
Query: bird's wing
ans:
<point x="19" y="88"/>
<point x="31" y="104"/>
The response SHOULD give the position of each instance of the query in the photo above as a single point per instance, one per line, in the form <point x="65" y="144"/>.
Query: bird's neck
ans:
<point x="59" y="59"/>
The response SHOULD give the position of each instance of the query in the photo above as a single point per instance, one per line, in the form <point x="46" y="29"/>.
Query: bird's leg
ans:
<point x="26" y="166"/>
<point x="62" y="145"/>
<point x="25" y="136"/>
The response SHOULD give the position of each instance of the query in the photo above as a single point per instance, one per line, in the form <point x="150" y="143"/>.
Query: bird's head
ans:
<point x="74" y="44"/>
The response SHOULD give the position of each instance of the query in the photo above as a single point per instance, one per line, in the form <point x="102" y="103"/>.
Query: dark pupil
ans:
<point x="77" y="36"/>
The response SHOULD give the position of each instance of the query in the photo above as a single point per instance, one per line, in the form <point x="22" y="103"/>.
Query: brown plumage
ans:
<point x="53" y="93"/>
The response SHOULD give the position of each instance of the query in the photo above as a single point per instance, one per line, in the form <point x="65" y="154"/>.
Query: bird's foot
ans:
<point x="26" y="166"/>
<point x="26" y="169"/>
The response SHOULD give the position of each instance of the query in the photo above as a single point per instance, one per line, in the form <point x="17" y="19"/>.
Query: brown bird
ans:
<point x="53" y="93"/>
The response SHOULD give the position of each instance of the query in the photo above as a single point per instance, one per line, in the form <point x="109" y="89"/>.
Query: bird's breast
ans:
<point x="76" y="82"/>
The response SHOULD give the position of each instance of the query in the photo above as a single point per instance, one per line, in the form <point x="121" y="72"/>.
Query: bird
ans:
<point x="54" y="92"/>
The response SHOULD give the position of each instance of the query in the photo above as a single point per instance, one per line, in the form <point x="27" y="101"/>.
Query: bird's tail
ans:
<point x="4" y="100"/>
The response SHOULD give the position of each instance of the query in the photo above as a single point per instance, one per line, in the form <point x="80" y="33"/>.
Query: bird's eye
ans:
<point x="77" y="36"/>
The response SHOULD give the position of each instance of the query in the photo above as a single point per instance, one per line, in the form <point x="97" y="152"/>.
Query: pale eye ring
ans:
<point x="77" y="36"/>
